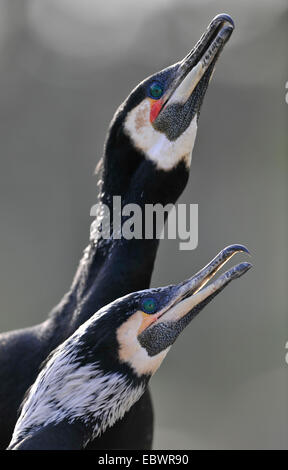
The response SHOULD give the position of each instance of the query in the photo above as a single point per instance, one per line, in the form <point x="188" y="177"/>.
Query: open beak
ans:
<point x="187" y="89"/>
<point x="188" y="298"/>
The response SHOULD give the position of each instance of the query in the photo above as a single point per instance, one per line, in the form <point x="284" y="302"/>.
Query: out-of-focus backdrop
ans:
<point x="65" y="65"/>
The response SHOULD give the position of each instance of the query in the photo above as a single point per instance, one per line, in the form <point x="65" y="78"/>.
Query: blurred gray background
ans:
<point x="65" y="65"/>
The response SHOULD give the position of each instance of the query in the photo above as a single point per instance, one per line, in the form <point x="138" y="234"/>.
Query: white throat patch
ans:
<point x="131" y="351"/>
<point x="166" y="154"/>
<point x="66" y="389"/>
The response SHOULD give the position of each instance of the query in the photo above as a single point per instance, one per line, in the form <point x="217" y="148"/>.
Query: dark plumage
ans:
<point x="92" y="379"/>
<point x="146" y="160"/>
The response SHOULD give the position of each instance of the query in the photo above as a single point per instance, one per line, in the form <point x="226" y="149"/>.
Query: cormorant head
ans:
<point x="157" y="316"/>
<point x="99" y="372"/>
<point x="160" y="115"/>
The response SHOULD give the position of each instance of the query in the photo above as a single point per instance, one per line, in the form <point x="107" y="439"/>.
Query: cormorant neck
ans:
<point x="112" y="268"/>
<point x="98" y="282"/>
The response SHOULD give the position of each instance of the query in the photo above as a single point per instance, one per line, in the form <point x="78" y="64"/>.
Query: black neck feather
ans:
<point x="111" y="268"/>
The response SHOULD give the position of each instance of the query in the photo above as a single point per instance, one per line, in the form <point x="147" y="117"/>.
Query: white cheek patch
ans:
<point x="131" y="350"/>
<point x="166" y="154"/>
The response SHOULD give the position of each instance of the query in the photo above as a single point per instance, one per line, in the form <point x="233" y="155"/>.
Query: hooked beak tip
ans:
<point x="238" y="270"/>
<point x="224" y="17"/>
<point x="236" y="248"/>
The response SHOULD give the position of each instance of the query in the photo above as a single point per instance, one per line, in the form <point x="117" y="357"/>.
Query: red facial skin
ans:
<point x="155" y="108"/>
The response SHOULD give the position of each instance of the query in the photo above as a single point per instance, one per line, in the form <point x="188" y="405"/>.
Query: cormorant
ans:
<point x="92" y="379"/>
<point x="146" y="160"/>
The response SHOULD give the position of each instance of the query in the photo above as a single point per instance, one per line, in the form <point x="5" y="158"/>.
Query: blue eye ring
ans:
<point x="156" y="90"/>
<point x="149" y="305"/>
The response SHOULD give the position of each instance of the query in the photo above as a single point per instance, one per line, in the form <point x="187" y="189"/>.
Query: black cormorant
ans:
<point x="146" y="160"/>
<point x="93" y="379"/>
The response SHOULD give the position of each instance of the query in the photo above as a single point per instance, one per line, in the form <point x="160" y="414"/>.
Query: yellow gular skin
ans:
<point x="147" y="320"/>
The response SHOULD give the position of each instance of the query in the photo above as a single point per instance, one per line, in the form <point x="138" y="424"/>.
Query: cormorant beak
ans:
<point x="183" y="98"/>
<point x="188" y="298"/>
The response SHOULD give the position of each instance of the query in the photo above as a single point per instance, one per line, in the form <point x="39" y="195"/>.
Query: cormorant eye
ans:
<point x="149" y="305"/>
<point x="156" y="90"/>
